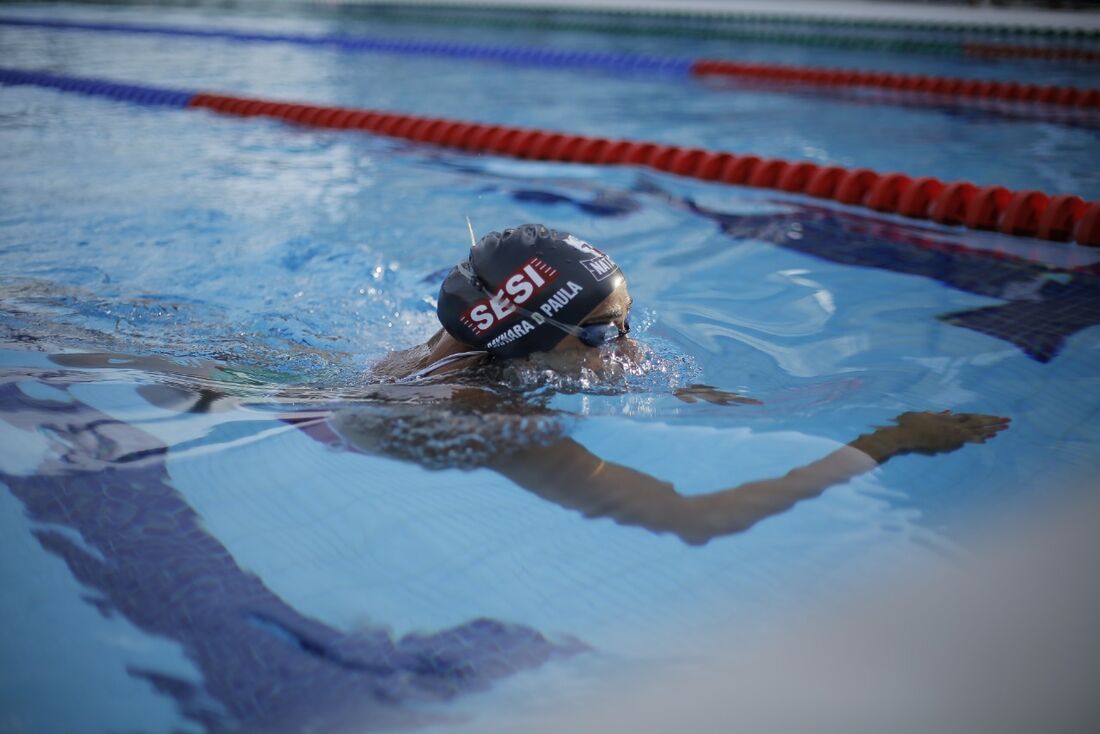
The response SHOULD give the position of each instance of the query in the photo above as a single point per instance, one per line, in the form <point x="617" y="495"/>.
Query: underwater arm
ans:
<point x="568" y="474"/>
<point x="696" y="391"/>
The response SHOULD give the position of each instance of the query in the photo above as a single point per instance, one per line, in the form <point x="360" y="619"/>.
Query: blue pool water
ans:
<point x="223" y="570"/>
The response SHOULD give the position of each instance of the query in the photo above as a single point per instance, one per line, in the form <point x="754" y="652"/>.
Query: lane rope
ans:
<point x="712" y="28"/>
<point x="917" y="83"/>
<point x="1026" y="213"/>
<point x="519" y="55"/>
<point x="1046" y="53"/>
<point x="135" y="93"/>
<point x="678" y="15"/>
<point x="623" y="62"/>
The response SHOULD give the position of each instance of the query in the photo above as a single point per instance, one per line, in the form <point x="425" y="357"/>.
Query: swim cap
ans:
<point x="504" y="295"/>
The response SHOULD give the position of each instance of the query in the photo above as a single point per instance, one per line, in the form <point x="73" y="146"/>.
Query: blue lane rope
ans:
<point x="616" y="62"/>
<point x="135" y="93"/>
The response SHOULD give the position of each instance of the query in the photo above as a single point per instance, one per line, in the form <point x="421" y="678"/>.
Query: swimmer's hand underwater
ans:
<point x="929" y="434"/>
<point x="692" y="393"/>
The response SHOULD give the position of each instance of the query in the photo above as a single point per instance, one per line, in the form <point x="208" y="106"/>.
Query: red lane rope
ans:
<point x="1023" y="213"/>
<point x="1009" y="51"/>
<point x="983" y="89"/>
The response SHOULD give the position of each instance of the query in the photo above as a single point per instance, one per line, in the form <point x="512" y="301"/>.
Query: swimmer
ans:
<point x="527" y="290"/>
<point x="532" y="293"/>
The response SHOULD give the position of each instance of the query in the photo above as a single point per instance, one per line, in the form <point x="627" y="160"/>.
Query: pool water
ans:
<point x="175" y="560"/>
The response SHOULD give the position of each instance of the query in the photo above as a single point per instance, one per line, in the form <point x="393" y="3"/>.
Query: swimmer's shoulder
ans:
<point x="432" y="356"/>
<point x="405" y="362"/>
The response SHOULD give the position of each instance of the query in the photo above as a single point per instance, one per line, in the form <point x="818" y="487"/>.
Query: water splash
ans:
<point x="647" y="364"/>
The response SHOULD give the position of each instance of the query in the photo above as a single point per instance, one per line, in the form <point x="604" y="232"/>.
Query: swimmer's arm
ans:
<point x="570" y="475"/>
<point x="695" y="392"/>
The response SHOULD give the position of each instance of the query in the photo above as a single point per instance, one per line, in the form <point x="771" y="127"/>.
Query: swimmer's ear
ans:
<point x="470" y="227"/>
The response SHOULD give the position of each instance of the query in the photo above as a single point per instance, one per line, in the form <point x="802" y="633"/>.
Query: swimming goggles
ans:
<point x="590" y="335"/>
<point x="594" y="335"/>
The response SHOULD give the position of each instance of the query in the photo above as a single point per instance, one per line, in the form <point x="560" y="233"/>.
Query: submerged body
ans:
<point x="459" y="419"/>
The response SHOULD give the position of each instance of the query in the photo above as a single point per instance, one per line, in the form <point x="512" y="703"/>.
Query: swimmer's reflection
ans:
<point x="535" y="296"/>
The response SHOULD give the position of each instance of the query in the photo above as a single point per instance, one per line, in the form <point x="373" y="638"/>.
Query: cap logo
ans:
<point x="600" y="267"/>
<point x="518" y="288"/>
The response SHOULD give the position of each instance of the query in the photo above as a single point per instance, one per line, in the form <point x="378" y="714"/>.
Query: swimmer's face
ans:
<point x="614" y="310"/>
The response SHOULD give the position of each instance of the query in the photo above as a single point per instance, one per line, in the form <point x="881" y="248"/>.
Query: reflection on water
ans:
<point x="265" y="667"/>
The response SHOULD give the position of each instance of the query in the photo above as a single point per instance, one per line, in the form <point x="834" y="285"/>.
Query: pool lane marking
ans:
<point x="962" y="88"/>
<point x="413" y="47"/>
<point x="1043" y="53"/>
<point x="134" y="93"/>
<point x="1027" y="213"/>
<point x="915" y="83"/>
<point x="714" y="27"/>
<point x="744" y="16"/>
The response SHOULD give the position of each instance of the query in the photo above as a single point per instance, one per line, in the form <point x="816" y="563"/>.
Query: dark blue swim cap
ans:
<point x="505" y="296"/>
